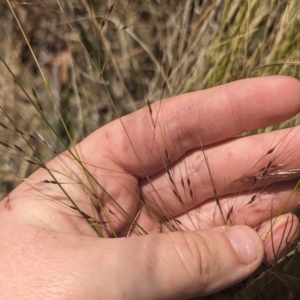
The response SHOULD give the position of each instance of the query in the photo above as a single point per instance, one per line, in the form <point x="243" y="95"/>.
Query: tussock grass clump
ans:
<point x="69" y="67"/>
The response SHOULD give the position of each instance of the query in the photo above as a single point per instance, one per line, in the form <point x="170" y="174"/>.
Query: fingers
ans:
<point x="250" y="163"/>
<point x="145" y="142"/>
<point x="242" y="209"/>
<point x="159" y="266"/>
<point x="278" y="234"/>
<point x="252" y="210"/>
<point x="180" y="124"/>
<point x="178" y="265"/>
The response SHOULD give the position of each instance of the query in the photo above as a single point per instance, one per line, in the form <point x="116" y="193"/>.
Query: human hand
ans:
<point x="148" y="174"/>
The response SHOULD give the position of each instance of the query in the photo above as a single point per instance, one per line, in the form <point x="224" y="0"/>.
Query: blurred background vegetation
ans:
<point x="93" y="60"/>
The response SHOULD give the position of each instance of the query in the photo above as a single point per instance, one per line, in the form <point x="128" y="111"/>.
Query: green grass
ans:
<point x="73" y="66"/>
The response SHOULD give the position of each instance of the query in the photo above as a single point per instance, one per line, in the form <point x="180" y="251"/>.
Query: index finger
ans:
<point x="146" y="141"/>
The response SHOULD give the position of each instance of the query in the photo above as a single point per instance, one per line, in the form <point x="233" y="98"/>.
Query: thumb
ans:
<point x="181" y="265"/>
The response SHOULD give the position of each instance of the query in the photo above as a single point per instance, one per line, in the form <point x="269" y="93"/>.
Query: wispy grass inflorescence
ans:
<point x="74" y="66"/>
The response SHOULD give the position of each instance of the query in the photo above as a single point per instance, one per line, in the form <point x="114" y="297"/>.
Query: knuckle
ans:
<point x="200" y="258"/>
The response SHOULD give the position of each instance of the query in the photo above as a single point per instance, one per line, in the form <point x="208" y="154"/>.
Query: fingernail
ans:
<point x="245" y="243"/>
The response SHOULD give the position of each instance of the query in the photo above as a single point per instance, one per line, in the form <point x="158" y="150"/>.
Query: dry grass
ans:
<point x="93" y="61"/>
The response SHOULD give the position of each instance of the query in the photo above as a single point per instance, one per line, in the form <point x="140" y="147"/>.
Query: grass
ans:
<point x="70" y="67"/>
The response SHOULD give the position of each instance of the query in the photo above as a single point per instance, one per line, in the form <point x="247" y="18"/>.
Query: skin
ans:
<point x="48" y="251"/>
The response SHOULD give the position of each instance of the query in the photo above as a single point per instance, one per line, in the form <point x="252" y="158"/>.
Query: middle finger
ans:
<point x="243" y="164"/>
